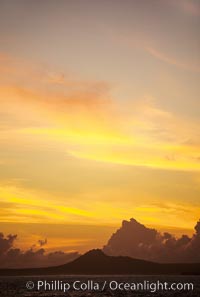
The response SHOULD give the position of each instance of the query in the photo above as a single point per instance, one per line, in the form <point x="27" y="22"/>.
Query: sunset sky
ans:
<point x="99" y="118"/>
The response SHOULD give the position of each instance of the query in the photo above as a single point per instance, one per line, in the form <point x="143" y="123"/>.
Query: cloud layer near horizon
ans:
<point x="135" y="240"/>
<point x="132" y="239"/>
<point x="11" y="257"/>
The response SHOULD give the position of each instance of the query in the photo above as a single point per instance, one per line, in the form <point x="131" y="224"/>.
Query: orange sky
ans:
<point x="99" y="118"/>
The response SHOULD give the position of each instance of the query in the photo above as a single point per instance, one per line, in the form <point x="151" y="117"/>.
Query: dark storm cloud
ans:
<point x="135" y="240"/>
<point x="11" y="257"/>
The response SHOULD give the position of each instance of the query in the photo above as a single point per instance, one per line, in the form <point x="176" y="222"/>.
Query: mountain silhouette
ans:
<point x="95" y="262"/>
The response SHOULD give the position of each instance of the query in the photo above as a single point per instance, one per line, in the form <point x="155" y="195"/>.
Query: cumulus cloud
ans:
<point x="11" y="257"/>
<point x="6" y="242"/>
<point x="135" y="240"/>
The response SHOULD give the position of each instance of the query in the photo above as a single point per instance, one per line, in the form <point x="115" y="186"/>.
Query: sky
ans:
<point x="99" y="118"/>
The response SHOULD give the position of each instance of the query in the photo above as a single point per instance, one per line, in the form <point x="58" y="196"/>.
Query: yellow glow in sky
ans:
<point x="99" y="122"/>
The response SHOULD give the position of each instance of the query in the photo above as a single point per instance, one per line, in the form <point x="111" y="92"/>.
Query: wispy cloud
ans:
<point x="91" y="124"/>
<point x="170" y="60"/>
<point x="147" y="44"/>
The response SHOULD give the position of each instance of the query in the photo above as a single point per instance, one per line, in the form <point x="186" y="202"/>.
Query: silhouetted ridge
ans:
<point x="95" y="262"/>
<point x="94" y="253"/>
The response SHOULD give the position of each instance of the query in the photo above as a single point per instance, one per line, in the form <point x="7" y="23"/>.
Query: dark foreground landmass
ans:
<point x="16" y="286"/>
<point x="95" y="262"/>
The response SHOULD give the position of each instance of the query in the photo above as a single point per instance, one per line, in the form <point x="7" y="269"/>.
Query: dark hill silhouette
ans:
<point x="95" y="262"/>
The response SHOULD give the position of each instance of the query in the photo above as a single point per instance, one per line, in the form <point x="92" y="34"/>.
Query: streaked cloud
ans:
<point x="171" y="60"/>
<point x="99" y="122"/>
<point x="93" y="125"/>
